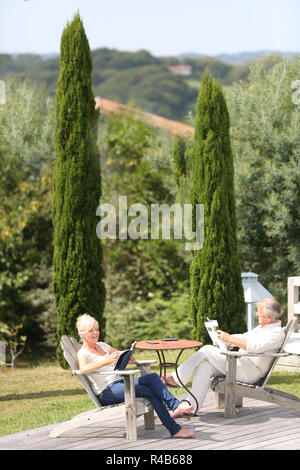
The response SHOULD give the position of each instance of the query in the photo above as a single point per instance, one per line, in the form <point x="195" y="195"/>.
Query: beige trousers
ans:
<point x="206" y="363"/>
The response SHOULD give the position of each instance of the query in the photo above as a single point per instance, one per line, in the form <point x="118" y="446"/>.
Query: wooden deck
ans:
<point x="258" y="426"/>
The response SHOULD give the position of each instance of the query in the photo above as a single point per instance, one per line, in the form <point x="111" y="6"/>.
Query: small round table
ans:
<point x="160" y="345"/>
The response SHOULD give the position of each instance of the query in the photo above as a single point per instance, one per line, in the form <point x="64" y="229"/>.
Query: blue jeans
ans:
<point x="149" y="386"/>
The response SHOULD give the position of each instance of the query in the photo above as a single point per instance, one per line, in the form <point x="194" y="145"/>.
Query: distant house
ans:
<point x="180" y="69"/>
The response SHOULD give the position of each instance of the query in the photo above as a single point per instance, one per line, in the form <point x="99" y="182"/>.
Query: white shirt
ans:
<point x="98" y="381"/>
<point x="262" y="339"/>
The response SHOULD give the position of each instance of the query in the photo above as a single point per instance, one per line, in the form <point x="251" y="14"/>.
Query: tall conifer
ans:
<point x="215" y="275"/>
<point x="78" y="272"/>
<point x="178" y="152"/>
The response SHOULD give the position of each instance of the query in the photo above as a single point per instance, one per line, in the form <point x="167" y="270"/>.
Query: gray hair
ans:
<point x="270" y="307"/>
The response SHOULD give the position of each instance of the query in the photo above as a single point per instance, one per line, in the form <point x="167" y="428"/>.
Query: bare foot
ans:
<point x="183" y="410"/>
<point x="184" y="433"/>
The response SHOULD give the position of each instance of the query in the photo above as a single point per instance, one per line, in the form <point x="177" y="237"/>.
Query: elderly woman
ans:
<point x="97" y="356"/>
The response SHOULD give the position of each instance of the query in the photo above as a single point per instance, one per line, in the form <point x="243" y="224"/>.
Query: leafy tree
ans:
<point x="13" y="341"/>
<point x="27" y="134"/>
<point x="156" y="317"/>
<point x="144" y="277"/>
<point x="216" y="285"/>
<point x="266" y="147"/>
<point x="78" y="272"/>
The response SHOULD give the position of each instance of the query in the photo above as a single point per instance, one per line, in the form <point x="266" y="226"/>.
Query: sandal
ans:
<point x="167" y="384"/>
<point x="184" y="414"/>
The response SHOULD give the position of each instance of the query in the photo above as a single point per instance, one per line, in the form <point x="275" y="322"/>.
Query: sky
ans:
<point x="163" y="27"/>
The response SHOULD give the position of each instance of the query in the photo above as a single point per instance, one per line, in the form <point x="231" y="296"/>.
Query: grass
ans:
<point x="34" y="396"/>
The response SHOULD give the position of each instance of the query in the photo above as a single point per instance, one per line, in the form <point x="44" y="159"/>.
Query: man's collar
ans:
<point x="272" y="325"/>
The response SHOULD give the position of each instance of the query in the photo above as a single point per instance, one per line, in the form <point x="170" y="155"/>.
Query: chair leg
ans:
<point x="148" y="417"/>
<point x="230" y="395"/>
<point x="130" y="407"/>
<point x="239" y="401"/>
<point x="149" y="420"/>
<point x="220" y="400"/>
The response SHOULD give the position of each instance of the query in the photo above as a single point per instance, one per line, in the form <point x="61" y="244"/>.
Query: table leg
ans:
<point x="160" y="364"/>
<point x="178" y="378"/>
<point x="163" y="364"/>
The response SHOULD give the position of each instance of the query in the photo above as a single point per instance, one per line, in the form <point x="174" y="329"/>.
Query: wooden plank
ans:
<point x="291" y="444"/>
<point x="276" y="440"/>
<point x="279" y="442"/>
<point x="258" y="426"/>
<point x="204" y="437"/>
<point x="210" y="439"/>
<point x="253" y="435"/>
<point x="250" y="417"/>
<point x="74" y="438"/>
<point x="269" y="395"/>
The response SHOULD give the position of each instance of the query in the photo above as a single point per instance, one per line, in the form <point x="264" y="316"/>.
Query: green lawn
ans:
<point x="31" y="397"/>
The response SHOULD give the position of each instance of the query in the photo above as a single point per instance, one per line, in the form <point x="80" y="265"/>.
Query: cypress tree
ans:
<point x="78" y="273"/>
<point x="178" y="151"/>
<point x="215" y="274"/>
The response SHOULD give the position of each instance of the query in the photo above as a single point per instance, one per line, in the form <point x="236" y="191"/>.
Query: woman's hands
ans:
<point x="113" y="357"/>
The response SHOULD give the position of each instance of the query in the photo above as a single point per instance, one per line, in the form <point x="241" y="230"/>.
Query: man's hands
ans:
<point x="225" y="337"/>
<point x="231" y="340"/>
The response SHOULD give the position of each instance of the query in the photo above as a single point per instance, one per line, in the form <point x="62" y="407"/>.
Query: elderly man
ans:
<point x="208" y="362"/>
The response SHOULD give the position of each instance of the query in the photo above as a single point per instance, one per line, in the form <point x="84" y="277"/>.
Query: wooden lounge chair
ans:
<point x="132" y="407"/>
<point x="231" y="391"/>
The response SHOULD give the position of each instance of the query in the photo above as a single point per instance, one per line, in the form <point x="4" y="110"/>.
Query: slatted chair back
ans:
<point x="70" y="347"/>
<point x="287" y="331"/>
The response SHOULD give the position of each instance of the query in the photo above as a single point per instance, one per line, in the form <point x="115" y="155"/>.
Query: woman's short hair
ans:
<point x="270" y="307"/>
<point x="85" y="322"/>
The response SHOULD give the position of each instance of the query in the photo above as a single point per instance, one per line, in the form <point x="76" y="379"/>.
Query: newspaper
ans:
<point x="212" y="326"/>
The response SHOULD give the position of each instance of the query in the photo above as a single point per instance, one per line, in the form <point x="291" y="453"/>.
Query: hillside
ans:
<point x="136" y="78"/>
<point x="240" y="58"/>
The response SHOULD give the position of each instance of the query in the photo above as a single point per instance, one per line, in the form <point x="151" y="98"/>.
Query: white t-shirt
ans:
<point x="98" y="381"/>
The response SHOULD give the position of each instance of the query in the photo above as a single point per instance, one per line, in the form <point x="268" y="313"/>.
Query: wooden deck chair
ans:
<point x="231" y="392"/>
<point x="132" y="407"/>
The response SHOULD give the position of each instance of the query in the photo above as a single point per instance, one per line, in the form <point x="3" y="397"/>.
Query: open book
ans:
<point x="124" y="358"/>
<point x="212" y="326"/>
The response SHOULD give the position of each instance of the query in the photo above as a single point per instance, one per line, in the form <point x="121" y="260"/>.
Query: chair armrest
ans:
<point x="238" y="354"/>
<point x="145" y="362"/>
<point x="145" y="365"/>
<point x="113" y="372"/>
